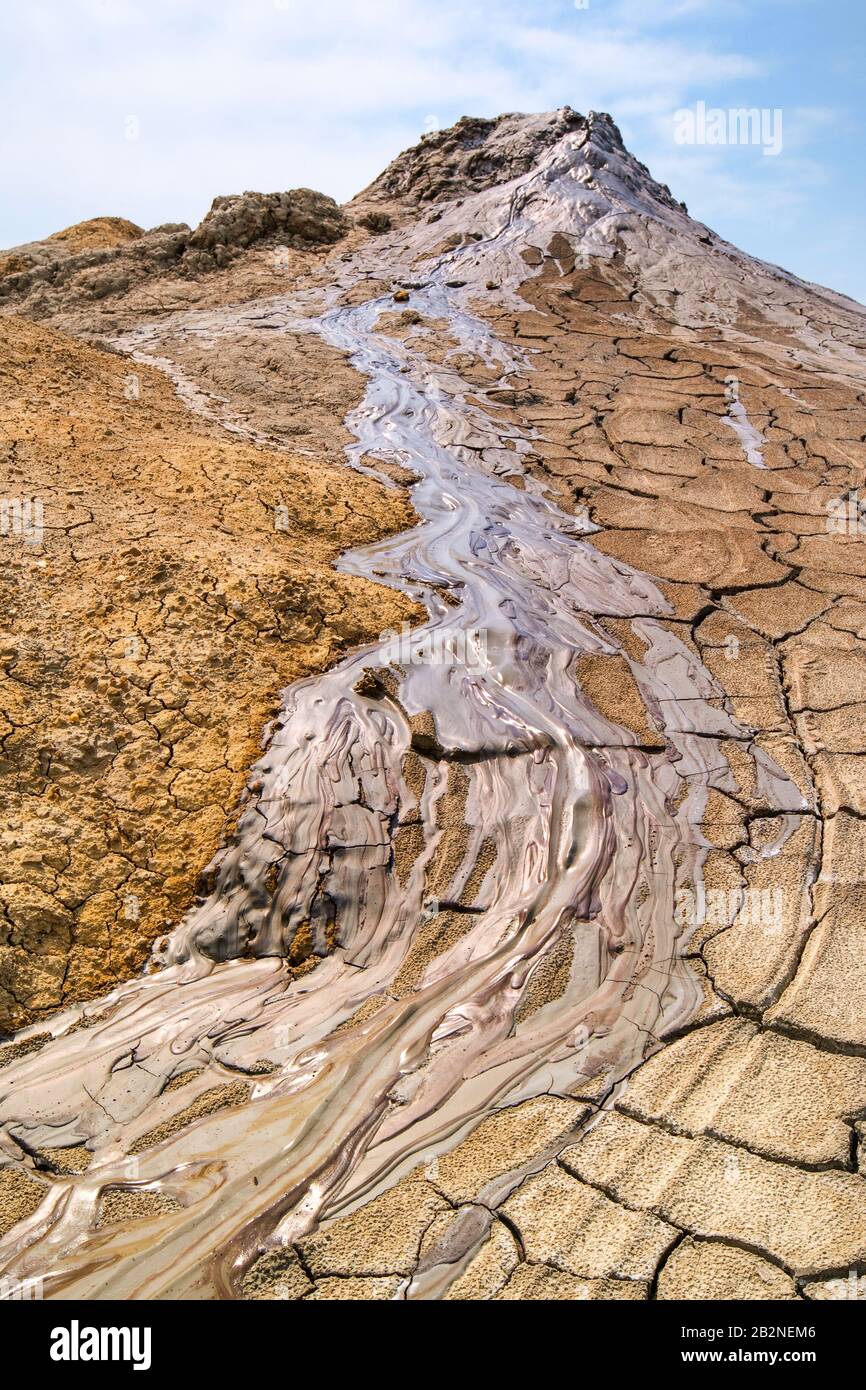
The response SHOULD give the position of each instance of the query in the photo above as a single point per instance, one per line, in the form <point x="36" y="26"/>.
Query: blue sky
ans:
<point x="273" y="94"/>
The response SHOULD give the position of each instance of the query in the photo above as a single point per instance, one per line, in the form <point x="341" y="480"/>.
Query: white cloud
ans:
<point x="288" y="92"/>
<point x="277" y="93"/>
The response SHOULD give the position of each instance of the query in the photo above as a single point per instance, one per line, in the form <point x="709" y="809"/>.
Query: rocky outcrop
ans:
<point x="70" y="268"/>
<point x="299" y="218"/>
<point x="469" y="156"/>
<point x="477" y="154"/>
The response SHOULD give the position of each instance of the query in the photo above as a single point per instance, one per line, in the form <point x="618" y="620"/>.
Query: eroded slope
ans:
<point x="179" y="581"/>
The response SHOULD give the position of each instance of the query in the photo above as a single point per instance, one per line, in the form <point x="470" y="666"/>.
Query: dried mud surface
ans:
<point x="145" y="642"/>
<point x="743" y="1134"/>
<point x="700" y="410"/>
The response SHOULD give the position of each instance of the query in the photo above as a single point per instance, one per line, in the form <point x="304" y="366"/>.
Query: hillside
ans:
<point x="531" y="965"/>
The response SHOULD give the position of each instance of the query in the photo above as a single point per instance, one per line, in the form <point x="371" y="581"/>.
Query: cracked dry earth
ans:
<point x="529" y="962"/>
<point x="144" y="644"/>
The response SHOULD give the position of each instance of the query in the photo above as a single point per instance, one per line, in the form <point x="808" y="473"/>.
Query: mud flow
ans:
<point x="482" y="873"/>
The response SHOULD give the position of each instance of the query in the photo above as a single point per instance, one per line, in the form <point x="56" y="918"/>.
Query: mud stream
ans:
<point x="560" y="829"/>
